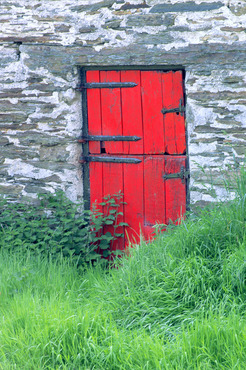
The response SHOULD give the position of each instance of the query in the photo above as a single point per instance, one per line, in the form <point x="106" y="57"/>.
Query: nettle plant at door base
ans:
<point x="134" y="141"/>
<point x="107" y="226"/>
<point x="57" y="227"/>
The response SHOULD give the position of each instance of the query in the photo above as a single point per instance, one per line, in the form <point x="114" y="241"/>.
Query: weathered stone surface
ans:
<point x="13" y="117"/>
<point x="232" y="80"/>
<point x="36" y="189"/>
<point x="221" y="95"/>
<point x="237" y="7"/>
<point x="53" y="178"/>
<point x="54" y="166"/>
<point x="144" y="20"/>
<point x="112" y="24"/>
<point x="233" y="29"/>
<point x="57" y="154"/>
<point x="62" y="28"/>
<point x="128" y="5"/>
<point x="6" y="126"/>
<point x="59" y="58"/>
<point x="216" y="130"/>
<point x="7" y="106"/>
<point x="93" y="7"/>
<point x="10" y="189"/>
<point x="161" y="38"/>
<point x="88" y="29"/>
<point x="38" y="138"/>
<point x="12" y="152"/>
<point x="4" y="141"/>
<point x="189" y="6"/>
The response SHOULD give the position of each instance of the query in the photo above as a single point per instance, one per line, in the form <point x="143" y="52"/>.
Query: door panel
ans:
<point x="137" y="111"/>
<point x="150" y="199"/>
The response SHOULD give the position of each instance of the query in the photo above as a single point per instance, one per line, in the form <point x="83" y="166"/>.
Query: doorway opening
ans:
<point x="134" y="142"/>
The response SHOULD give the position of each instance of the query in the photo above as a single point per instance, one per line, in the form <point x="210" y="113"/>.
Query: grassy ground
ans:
<point x="177" y="303"/>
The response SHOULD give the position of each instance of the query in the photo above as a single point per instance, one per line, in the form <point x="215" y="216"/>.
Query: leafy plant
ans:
<point x="55" y="225"/>
<point x="107" y="225"/>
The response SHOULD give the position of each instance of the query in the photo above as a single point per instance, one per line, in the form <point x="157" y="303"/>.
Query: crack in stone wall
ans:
<point x="44" y="43"/>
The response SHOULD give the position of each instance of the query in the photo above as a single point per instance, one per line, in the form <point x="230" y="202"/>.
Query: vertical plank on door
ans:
<point x="174" y="123"/>
<point x="175" y="189"/>
<point x="113" y="184"/>
<point x="96" y="185"/>
<point x="154" y="197"/>
<point x="178" y="95"/>
<point x="111" y="111"/>
<point x="132" y="112"/>
<point x="152" y="116"/>
<point x="94" y="111"/>
<point x="133" y="196"/>
<point x="96" y="189"/>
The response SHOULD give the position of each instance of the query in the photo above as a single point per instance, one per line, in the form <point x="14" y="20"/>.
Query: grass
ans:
<point x="177" y="303"/>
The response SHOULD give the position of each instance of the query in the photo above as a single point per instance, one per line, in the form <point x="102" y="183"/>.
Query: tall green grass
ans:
<point x="175" y="303"/>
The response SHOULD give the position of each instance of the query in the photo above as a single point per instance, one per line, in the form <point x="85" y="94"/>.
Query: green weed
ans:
<point x="56" y="226"/>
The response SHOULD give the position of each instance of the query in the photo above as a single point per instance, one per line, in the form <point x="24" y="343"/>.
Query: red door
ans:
<point x="136" y="140"/>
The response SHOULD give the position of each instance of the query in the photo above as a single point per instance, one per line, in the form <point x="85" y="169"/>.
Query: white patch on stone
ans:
<point x="13" y="100"/>
<point x="13" y="140"/>
<point x="18" y="167"/>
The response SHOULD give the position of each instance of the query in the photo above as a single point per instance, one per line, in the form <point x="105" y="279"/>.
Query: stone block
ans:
<point x="114" y="24"/>
<point x="3" y="141"/>
<point x="62" y="28"/>
<point x="10" y="189"/>
<point x="94" y="6"/>
<point x="128" y="5"/>
<point x="38" y="138"/>
<point x="153" y="20"/>
<point x="57" y="153"/>
<point x="23" y="108"/>
<point x="12" y="117"/>
<point x="14" y="152"/>
<point x="237" y="7"/>
<point x="189" y="6"/>
<point x="33" y="189"/>
<point x="158" y="39"/>
<point x="87" y="29"/>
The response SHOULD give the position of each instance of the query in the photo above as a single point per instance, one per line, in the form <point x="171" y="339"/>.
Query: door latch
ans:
<point x="183" y="174"/>
<point x="180" y="109"/>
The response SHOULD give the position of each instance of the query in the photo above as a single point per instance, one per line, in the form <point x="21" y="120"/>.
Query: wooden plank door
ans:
<point x="152" y="111"/>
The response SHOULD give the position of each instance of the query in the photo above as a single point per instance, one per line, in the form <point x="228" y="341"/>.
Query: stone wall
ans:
<point x="44" y="43"/>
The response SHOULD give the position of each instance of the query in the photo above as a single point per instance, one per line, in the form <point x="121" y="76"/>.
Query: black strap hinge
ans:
<point x="84" y="139"/>
<point x="85" y="159"/>
<point x="105" y="85"/>
<point x="183" y="174"/>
